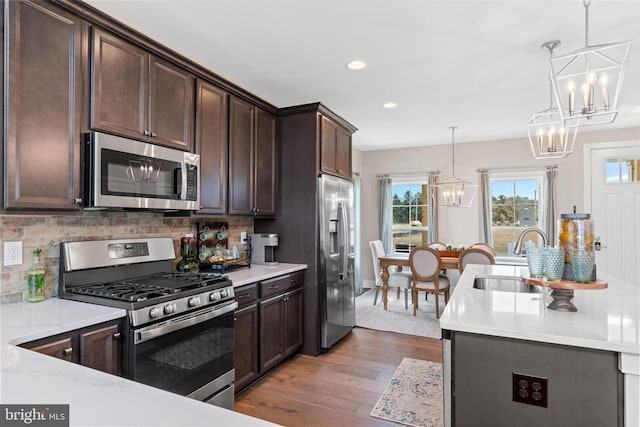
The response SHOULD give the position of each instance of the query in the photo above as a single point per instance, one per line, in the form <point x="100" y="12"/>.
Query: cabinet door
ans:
<point x="328" y="138"/>
<point x="343" y="153"/>
<point x="61" y="348"/>
<point x="212" y="146"/>
<point x="293" y="322"/>
<point x="265" y="164"/>
<point x="44" y="89"/>
<point x="100" y="349"/>
<point x="245" y="355"/>
<point x="171" y="105"/>
<point x="271" y="333"/>
<point x="119" y="86"/>
<point x="241" y="156"/>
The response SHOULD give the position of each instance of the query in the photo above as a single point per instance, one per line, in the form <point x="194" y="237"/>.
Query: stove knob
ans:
<point x="169" y="309"/>
<point x="155" y="312"/>
<point x="194" y="301"/>
<point x="223" y="293"/>
<point x="214" y="296"/>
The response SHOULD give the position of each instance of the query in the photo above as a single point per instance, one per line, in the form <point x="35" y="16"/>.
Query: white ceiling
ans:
<point x="474" y="64"/>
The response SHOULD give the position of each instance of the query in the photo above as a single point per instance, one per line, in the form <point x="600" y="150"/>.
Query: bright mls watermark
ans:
<point x="34" y="415"/>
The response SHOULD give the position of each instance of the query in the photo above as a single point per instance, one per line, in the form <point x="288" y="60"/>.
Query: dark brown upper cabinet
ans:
<point x="252" y="160"/>
<point x="265" y="164"/>
<point x="212" y="146"/>
<point x="44" y="88"/>
<point x="139" y="95"/>
<point x="335" y="147"/>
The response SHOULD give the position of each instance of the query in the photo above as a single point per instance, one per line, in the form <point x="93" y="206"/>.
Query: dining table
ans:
<point x="448" y="259"/>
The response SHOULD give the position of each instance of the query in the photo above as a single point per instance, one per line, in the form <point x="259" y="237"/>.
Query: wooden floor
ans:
<point x="338" y="388"/>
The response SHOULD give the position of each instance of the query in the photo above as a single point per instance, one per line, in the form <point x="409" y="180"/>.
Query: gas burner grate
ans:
<point x="148" y="287"/>
<point x="124" y="291"/>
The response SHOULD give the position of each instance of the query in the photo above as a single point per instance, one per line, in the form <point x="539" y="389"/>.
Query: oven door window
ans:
<point x="126" y="174"/>
<point x="187" y="359"/>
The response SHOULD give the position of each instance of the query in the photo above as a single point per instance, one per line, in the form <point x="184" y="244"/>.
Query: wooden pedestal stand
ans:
<point x="562" y="291"/>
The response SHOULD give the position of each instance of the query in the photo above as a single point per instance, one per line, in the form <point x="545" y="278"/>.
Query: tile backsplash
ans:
<point x="47" y="232"/>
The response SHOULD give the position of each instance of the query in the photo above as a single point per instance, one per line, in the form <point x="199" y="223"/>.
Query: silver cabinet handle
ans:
<point x="77" y="201"/>
<point x="153" y="135"/>
<point x="116" y="336"/>
<point x="67" y="351"/>
<point x="146" y="133"/>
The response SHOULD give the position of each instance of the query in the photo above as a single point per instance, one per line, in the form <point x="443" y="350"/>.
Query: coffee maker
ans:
<point x="263" y="248"/>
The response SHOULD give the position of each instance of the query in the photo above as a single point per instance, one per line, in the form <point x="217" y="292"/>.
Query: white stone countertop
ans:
<point x="607" y="319"/>
<point x="97" y="398"/>
<point x="256" y="273"/>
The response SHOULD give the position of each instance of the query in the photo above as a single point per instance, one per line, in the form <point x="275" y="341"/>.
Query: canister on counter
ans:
<point x="576" y="233"/>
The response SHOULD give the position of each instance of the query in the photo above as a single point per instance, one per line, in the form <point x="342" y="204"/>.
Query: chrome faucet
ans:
<point x="517" y="249"/>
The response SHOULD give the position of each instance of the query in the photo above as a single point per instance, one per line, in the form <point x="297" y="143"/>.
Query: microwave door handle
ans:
<point x="178" y="191"/>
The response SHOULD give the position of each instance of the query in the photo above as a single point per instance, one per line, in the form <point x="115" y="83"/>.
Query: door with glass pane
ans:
<point x="615" y="209"/>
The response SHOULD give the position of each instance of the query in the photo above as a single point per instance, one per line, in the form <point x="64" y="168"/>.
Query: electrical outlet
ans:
<point x="243" y="237"/>
<point x="530" y="390"/>
<point x="12" y="253"/>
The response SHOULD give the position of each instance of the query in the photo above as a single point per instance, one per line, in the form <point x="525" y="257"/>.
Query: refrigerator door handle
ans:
<point x="342" y="214"/>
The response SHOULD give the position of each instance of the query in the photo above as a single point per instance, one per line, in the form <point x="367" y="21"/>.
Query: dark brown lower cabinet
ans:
<point x="280" y="328"/>
<point x="268" y="327"/>
<point x="98" y="347"/>
<point x="246" y="329"/>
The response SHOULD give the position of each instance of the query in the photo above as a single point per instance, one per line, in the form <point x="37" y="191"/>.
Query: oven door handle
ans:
<point x="182" y="322"/>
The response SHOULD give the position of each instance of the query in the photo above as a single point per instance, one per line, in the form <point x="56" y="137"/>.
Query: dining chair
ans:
<point x="474" y="256"/>
<point x="439" y="246"/>
<point x="398" y="280"/>
<point x="485" y="246"/>
<point x="425" y="264"/>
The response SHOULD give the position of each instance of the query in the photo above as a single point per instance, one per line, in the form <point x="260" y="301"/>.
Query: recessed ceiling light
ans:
<point x="356" y="65"/>
<point x="390" y="105"/>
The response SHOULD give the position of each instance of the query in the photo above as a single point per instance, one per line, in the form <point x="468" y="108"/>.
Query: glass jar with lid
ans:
<point x="576" y="232"/>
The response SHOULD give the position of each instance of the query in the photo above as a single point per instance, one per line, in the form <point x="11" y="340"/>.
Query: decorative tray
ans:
<point x="566" y="285"/>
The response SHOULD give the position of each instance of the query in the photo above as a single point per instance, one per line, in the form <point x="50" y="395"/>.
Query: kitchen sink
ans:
<point x="504" y="284"/>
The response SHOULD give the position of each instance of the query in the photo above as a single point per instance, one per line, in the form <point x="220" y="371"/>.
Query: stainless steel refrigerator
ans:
<point x="337" y="313"/>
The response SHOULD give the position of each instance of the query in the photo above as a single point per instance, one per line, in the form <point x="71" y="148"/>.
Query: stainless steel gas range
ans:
<point x="178" y="335"/>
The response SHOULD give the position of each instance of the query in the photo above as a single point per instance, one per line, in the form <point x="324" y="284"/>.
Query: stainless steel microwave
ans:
<point x="122" y="173"/>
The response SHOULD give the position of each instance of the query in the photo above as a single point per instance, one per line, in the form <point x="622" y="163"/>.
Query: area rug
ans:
<point x="396" y="318"/>
<point x="414" y="395"/>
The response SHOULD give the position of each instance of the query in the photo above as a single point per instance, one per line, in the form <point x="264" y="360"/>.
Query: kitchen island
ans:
<point x="492" y="336"/>
<point x="94" y="397"/>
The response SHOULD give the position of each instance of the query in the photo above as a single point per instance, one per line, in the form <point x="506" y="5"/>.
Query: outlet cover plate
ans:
<point x="12" y="253"/>
<point x="530" y="390"/>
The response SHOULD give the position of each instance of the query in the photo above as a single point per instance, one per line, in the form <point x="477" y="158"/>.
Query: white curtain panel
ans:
<point x="432" y="222"/>
<point x="550" y="209"/>
<point x="485" y="208"/>
<point x="385" y="213"/>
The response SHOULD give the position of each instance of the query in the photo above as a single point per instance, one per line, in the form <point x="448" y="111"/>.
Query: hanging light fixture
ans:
<point x="587" y="82"/>
<point x="548" y="137"/>
<point x="452" y="190"/>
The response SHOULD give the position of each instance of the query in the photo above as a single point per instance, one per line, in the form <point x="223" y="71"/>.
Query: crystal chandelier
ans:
<point x="587" y="82"/>
<point x="548" y="137"/>
<point x="452" y="190"/>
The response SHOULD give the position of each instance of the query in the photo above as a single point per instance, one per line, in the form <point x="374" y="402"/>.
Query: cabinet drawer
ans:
<point x="246" y="295"/>
<point x="280" y="284"/>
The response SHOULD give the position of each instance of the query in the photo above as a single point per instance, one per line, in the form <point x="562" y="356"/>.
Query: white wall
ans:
<point x="461" y="225"/>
